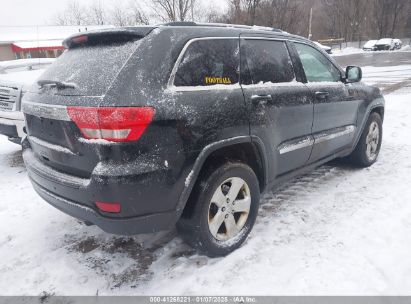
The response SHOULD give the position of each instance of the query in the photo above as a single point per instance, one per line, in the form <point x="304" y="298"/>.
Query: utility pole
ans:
<point x="192" y="10"/>
<point x="310" y="35"/>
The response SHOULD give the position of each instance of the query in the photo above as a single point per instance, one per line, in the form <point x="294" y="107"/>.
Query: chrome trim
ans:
<point x="205" y="88"/>
<point x="308" y="141"/>
<point x="299" y="144"/>
<point x="319" y="138"/>
<point x="45" y="110"/>
<point x="10" y="95"/>
<point x="282" y="39"/>
<point x="170" y="84"/>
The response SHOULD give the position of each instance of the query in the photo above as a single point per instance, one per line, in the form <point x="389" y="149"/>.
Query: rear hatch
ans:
<point x="64" y="103"/>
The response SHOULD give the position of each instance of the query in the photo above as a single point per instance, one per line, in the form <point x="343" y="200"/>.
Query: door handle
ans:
<point x="261" y="99"/>
<point x="321" y="94"/>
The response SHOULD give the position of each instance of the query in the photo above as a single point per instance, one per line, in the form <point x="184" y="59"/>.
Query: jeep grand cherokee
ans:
<point x="139" y="129"/>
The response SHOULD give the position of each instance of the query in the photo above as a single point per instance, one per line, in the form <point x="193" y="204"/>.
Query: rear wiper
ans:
<point x="57" y="84"/>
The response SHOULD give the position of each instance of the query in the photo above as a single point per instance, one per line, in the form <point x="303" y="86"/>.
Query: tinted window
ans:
<point x="265" y="61"/>
<point x="209" y="62"/>
<point x="317" y="67"/>
<point x="91" y="68"/>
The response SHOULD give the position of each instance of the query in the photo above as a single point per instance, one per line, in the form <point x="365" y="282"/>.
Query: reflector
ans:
<point x="109" y="207"/>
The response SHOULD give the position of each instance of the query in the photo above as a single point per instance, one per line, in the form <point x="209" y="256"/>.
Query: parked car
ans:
<point x="370" y="45"/>
<point x="385" y="44"/>
<point x="16" y="77"/>
<point x="397" y="44"/>
<point x="324" y="47"/>
<point x="142" y="128"/>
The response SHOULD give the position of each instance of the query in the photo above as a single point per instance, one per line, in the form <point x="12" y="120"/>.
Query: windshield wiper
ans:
<point x="57" y="84"/>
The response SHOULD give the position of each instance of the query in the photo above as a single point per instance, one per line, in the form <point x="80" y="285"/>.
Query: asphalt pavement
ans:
<point x="376" y="59"/>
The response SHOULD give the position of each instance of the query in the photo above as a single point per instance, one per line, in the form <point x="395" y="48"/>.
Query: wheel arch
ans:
<point x="380" y="110"/>
<point x="377" y="106"/>
<point x="245" y="149"/>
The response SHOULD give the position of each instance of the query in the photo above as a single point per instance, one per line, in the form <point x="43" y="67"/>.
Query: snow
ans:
<point x="346" y="51"/>
<point x="335" y="231"/>
<point x="10" y="34"/>
<point x="384" y="41"/>
<point x="353" y="50"/>
<point x="39" y="43"/>
<point x="387" y="75"/>
<point x="370" y="44"/>
<point x="19" y="63"/>
<point x="25" y="77"/>
<point x="99" y="141"/>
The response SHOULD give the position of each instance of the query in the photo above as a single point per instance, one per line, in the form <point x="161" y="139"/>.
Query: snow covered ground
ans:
<point x="353" y="50"/>
<point x="336" y="231"/>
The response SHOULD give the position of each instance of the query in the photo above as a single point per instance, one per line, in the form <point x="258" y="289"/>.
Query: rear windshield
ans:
<point x="91" y="68"/>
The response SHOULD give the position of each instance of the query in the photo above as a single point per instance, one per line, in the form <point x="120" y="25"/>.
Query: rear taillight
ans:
<point x="112" y="124"/>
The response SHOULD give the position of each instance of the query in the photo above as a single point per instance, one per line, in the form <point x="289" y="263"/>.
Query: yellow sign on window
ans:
<point x="217" y="80"/>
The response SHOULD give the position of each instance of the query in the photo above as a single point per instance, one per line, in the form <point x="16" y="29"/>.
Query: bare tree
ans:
<point x="73" y="14"/>
<point x="174" y="10"/>
<point x="349" y="19"/>
<point x="251" y="8"/>
<point x="76" y="12"/>
<point x="137" y="15"/>
<point x="388" y="14"/>
<point x="119" y="15"/>
<point x="97" y="13"/>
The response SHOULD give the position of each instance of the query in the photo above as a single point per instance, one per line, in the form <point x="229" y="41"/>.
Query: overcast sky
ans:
<point x="42" y="12"/>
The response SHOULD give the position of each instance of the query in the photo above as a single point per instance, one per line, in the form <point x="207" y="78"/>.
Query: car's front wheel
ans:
<point x="368" y="147"/>
<point x="222" y="209"/>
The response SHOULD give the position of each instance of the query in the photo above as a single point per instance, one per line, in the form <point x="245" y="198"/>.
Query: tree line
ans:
<point x="352" y="20"/>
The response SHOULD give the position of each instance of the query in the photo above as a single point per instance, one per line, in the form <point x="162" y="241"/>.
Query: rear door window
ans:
<point x="209" y="62"/>
<point x="265" y="61"/>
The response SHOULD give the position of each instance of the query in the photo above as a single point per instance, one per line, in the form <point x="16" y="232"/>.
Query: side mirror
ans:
<point x="353" y="74"/>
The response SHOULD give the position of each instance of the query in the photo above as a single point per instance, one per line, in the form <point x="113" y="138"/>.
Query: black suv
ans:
<point x="138" y="129"/>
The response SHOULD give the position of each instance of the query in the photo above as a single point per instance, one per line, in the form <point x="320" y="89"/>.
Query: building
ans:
<point x="20" y="42"/>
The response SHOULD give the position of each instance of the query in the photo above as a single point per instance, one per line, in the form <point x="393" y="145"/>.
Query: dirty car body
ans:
<point x="282" y="129"/>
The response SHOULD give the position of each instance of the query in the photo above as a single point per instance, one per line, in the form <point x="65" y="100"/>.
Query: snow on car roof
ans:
<point x="10" y="34"/>
<point x="371" y="43"/>
<point x="27" y="78"/>
<point x="39" y="43"/>
<point x="21" y="63"/>
<point x="384" y="41"/>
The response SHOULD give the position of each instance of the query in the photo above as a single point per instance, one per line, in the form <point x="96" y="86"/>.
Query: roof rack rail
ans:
<point x="180" y="23"/>
<point x="251" y="27"/>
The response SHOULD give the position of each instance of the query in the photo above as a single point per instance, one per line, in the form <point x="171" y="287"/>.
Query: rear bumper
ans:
<point x="147" y="204"/>
<point x="8" y="129"/>
<point x="121" y="226"/>
<point x="12" y="124"/>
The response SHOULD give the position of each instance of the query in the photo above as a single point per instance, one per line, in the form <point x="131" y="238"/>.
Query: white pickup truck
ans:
<point x="16" y="77"/>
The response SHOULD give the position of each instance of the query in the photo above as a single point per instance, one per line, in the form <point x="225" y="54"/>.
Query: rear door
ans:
<point x="281" y="112"/>
<point x="335" y="109"/>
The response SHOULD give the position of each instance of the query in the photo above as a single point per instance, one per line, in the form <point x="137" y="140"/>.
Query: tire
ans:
<point x="368" y="147"/>
<point x="208" y="207"/>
